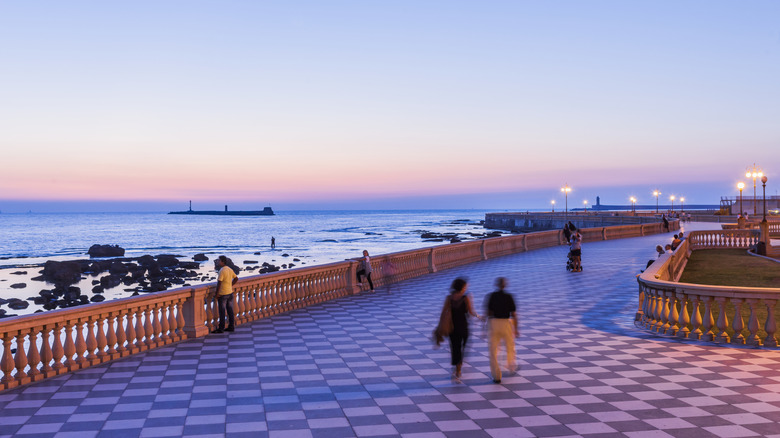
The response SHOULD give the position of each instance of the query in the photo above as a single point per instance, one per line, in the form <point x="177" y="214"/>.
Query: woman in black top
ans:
<point x="460" y="304"/>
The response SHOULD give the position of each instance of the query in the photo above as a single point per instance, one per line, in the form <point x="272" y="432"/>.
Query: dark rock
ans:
<point x="429" y="235"/>
<point x="258" y="253"/>
<point x="146" y="261"/>
<point x="455" y="240"/>
<point x="296" y="259"/>
<point x="39" y="278"/>
<point x="97" y="298"/>
<point x="250" y="262"/>
<point x="110" y="281"/>
<point x="106" y="251"/>
<point x="61" y="273"/>
<point x="285" y="255"/>
<point x="19" y="273"/>
<point x="98" y="290"/>
<point x="167" y="260"/>
<point x="291" y="266"/>
<point x="200" y="257"/>
<point x="94" y="282"/>
<point x="118" y="268"/>
<point x="17" y="304"/>
<point x="19" y="286"/>
<point x="189" y="265"/>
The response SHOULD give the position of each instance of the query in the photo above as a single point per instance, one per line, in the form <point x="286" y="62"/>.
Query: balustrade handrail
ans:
<point x="59" y="341"/>
<point x="686" y="310"/>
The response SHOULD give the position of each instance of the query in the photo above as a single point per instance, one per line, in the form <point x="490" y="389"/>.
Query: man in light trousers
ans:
<point x="502" y="326"/>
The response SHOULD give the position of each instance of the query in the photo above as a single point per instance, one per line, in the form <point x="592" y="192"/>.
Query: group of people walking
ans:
<point x="501" y="324"/>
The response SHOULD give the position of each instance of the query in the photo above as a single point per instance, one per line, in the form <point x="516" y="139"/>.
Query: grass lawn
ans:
<point x="733" y="267"/>
<point x="730" y="267"/>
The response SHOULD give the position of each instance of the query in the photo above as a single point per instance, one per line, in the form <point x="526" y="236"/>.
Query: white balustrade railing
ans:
<point x="42" y="345"/>
<point x="689" y="310"/>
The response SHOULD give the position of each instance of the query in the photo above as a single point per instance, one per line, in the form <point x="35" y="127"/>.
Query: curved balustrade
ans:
<point x="702" y="312"/>
<point x="43" y="345"/>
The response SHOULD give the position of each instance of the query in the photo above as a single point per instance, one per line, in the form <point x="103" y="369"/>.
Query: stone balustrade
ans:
<point x="38" y="346"/>
<point x="689" y="310"/>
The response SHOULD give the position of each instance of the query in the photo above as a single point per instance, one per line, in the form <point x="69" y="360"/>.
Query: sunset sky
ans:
<point x="384" y="104"/>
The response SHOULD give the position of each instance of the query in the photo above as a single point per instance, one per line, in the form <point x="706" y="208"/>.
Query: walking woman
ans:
<point x="460" y="307"/>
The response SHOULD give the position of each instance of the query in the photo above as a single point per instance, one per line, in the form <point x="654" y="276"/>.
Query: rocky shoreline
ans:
<point x="108" y="269"/>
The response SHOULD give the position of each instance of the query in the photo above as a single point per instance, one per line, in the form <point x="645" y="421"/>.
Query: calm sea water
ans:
<point x="314" y="237"/>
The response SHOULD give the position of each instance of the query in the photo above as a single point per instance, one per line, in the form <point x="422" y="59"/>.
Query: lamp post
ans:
<point x="740" y="186"/>
<point x="671" y="198"/>
<point x="682" y="204"/>
<point x="585" y="202"/>
<point x="553" y="205"/>
<point x="566" y="189"/>
<point x="755" y="172"/>
<point x="763" y="183"/>
<point x="633" y="205"/>
<point x="656" y="193"/>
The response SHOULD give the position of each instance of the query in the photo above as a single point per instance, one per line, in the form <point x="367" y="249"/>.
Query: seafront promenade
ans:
<point x="364" y="365"/>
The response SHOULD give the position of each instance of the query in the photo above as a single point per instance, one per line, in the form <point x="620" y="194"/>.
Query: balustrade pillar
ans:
<point x="7" y="363"/>
<point x="20" y="358"/>
<point x="194" y="314"/>
<point x="664" y="312"/>
<point x="91" y="344"/>
<point x="165" y="327"/>
<point x="113" y="334"/>
<point x="46" y="353"/>
<point x="770" y="327"/>
<point x="674" y="315"/>
<point x="684" y="318"/>
<point x="70" y="346"/>
<point x="33" y="355"/>
<point x="709" y="320"/>
<point x="696" y="320"/>
<point x="753" y="338"/>
<point x="58" y="352"/>
<point x="737" y="324"/>
<point x="723" y="320"/>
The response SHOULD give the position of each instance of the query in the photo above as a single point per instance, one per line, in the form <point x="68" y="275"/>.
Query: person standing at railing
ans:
<point x="365" y="270"/>
<point x="502" y="327"/>
<point x="225" y="281"/>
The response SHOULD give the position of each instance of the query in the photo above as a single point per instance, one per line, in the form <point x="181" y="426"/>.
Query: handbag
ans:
<point x="445" y="326"/>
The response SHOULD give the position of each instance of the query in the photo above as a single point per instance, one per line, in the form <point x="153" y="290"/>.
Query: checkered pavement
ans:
<point x="365" y="366"/>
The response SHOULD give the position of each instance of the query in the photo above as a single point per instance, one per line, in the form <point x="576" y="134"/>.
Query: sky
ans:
<point x="383" y="104"/>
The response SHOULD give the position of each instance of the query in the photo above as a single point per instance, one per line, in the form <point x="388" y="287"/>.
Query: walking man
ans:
<point x="502" y="326"/>
<point x="225" y="281"/>
<point x="273" y="242"/>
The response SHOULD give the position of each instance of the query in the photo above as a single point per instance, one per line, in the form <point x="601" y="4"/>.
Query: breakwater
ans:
<point x="530" y="222"/>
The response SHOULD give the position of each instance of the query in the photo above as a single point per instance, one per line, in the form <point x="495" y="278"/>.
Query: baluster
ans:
<point x="658" y="311"/>
<point x="46" y="354"/>
<point x="648" y="309"/>
<point x="81" y="345"/>
<point x="103" y="324"/>
<point x="91" y="341"/>
<point x="737" y="324"/>
<point x="696" y="321"/>
<point x="20" y="358"/>
<point x="115" y="332"/>
<point x="770" y="327"/>
<point x="674" y="315"/>
<point x="664" y="312"/>
<point x="210" y="310"/>
<point x="7" y="363"/>
<point x="139" y="329"/>
<point x="148" y="325"/>
<point x="165" y="328"/>
<point x="130" y="332"/>
<point x="685" y="319"/>
<point x="180" y="321"/>
<point x="262" y="291"/>
<point x="238" y="303"/>
<point x="723" y="320"/>
<point x="753" y="338"/>
<point x="709" y="320"/>
<point x="70" y="346"/>
<point x="33" y="356"/>
<point x="172" y="329"/>
<point x="156" y="325"/>
<point x="58" y="352"/>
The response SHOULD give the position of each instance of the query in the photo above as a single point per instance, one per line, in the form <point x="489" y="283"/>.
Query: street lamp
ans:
<point x="633" y="204"/>
<point x="566" y="189"/>
<point x="754" y="173"/>
<point x="585" y="202"/>
<point x="656" y="193"/>
<point x="682" y="204"/>
<point x="740" y="186"/>
<point x="553" y="205"/>
<point x="763" y="183"/>
<point x="671" y="198"/>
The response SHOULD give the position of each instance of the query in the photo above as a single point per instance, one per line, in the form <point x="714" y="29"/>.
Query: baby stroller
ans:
<point x="569" y="262"/>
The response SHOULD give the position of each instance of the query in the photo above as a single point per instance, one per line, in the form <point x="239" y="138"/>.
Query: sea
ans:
<point x="303" y="238"/>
